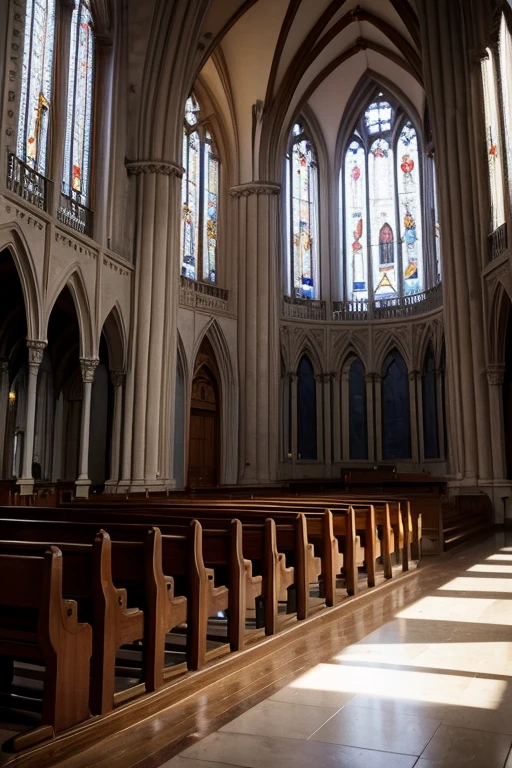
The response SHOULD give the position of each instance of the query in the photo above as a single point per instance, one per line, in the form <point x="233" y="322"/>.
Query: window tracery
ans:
<point x="200" y="198"/>
<point x="382" y="206"/>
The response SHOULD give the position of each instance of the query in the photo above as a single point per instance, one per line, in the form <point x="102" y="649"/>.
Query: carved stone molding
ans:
<point x="35" y="351"/>
<point x="292" y="376"/>
<point x="4" y="366"/>
<point x="495" y="374"/>
<point x="164" y="167"/>
<point x="117" y="378"/>
<point x="88" y="366"/>
<point x="255" y="188"/>
<point x="376" y="377"/>
<point x="414" y="375"/>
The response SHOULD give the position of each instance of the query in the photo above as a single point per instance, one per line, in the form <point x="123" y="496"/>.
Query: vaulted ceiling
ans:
<point x="292" y="55"/>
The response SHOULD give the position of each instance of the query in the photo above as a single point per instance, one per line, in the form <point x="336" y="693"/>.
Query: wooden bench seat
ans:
<point x="38" y="624"/>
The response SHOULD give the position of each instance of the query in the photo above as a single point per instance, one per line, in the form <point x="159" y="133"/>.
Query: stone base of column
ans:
<point x="111" y="486"/>
<point x="26" y="485"/>
<point x="82" y="486"/>
<point x="151" y="485"/>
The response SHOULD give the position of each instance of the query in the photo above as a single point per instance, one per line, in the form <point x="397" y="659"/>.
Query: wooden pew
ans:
<point x="38" y="625"/>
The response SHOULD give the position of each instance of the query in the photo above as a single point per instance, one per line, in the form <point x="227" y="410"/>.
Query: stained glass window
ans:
<point x="381" y="194"/>
<point x="383" y="218"/>
<point x="409" y="202"/>
<point x="36" y="83"/>
<point x="302" y="179"/>
<point x="505" y="51"/>
<point x="200" y="198"/>
<point x="356" y="221"/>
<point x="77" y="147"/>
<point x="492" y="131"/>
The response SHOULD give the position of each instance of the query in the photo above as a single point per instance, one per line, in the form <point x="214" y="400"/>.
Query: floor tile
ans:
<point x="264" y="752"/>
<point x="281" y="719"/>
<point x="459" y="747"/>
<point x="379" y="730"/>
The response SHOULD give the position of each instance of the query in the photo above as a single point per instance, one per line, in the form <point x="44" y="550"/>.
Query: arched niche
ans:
<point x="307" y="448"/>
<point x="357" y="414"/>
<point x="396" y="415"/>
<point x="205" y="419"/>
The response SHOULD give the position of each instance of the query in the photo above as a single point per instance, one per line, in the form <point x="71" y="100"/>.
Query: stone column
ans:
<point x="4" y="405"/>
<point x="35" y="356"/>
<point x="495" y="376"/>
<point x="370" y="415"/>
<point x="88" y="366"/>
<point x="117" y="379"/>
<point x="452" y="33"/>
<point x="256" y="207"/>
<point x="150" y="384"/>
<point x="413" y="408"/>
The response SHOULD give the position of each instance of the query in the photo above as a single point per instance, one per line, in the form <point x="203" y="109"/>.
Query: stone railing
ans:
<point x="303" y="309"/>
<point x="27" y="183"/>
<point x="385" y="309"/>
<point x="202" y="295"/>
<point x="75" y="215"/>
<point x="498" y="242"/>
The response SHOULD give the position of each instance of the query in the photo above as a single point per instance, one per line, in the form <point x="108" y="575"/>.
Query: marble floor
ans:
<point x="420" y="674"/>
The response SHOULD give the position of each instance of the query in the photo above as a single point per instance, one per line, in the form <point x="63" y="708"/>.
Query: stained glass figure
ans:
<point x="493" y="137"/>
<point x="356" y="220"/>
<point x="36" y="83"/>
<point x="383" y="216"/>
<point x="505" y="52"/>
<point x="409" y="199"/>
<point x="200" y="198"/>
<point x="302" y="169"/>
<point x="77" y="147"/>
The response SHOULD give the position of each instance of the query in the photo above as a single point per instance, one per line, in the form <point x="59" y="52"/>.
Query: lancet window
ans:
<point x="382" y="207"/>
<point x="200" y="198"/>
<point x="77" y="147"/>
<point x="36" y="84"/>
<point x="302" y="216"/>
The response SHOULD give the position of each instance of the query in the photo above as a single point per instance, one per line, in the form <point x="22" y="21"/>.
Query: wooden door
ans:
<point x="203" y="432"/>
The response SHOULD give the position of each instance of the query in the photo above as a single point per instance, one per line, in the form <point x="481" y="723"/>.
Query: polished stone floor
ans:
<point x="419" y="674"/>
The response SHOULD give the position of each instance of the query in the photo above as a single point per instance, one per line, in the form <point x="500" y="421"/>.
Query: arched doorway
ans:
<point x="204" y="437"/>
<point x="13" y="368"/>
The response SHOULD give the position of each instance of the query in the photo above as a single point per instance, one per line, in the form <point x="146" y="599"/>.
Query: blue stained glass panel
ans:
<point x="191" y="202"/>
<point x="36" y="83"/>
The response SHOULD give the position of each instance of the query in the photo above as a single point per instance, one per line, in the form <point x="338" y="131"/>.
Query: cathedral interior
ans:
<point x="255" y="247"/>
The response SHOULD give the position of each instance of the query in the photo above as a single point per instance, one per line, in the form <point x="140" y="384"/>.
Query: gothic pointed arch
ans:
<point x="74" y="281"/>
<point x="395" y="400"/>
<point x="114" y="331"/>
<point x="12" y="239"/>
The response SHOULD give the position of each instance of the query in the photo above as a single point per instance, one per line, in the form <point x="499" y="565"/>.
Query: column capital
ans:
<point x="373" y="376"/>
<point x="292" y="376"/>
<point x="36" y="350"/>
<point x="414" y="375"/>
<point x="4" y="366"/>
<point x="495" y="374"/>
<point x="88" y="366"/>
<point x="255" y="188"/>
<point x="117" y="378"/>
<point x="161" y="167"/>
